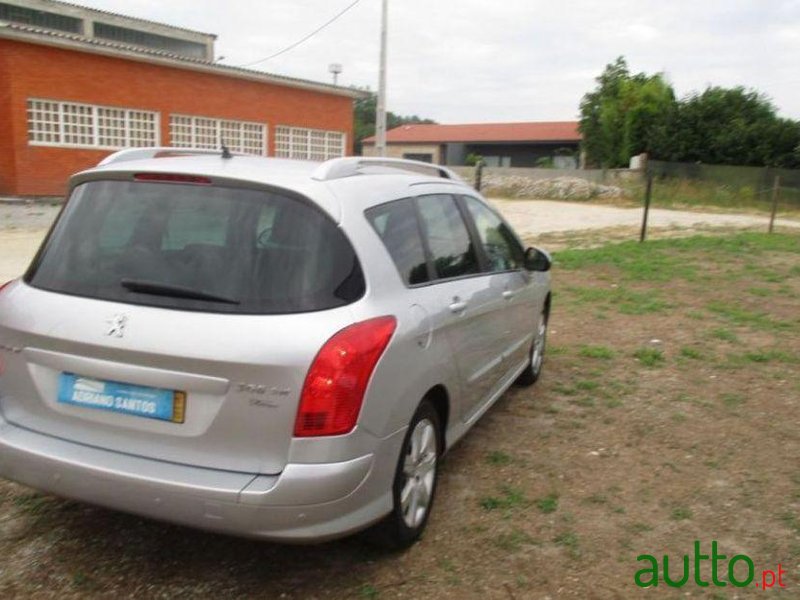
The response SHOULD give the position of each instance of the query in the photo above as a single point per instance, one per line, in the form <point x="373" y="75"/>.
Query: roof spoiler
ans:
<point x="338" y="168"/>
<point x="158" y="152"/>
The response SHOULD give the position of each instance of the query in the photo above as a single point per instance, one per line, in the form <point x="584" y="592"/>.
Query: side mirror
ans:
<point x="537" y="260"/>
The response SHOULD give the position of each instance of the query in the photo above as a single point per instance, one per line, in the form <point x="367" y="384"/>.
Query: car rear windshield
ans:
<point x="193" y="247"/>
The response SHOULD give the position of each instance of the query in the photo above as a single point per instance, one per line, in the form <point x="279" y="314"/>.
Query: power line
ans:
<point x="306" y="38"/>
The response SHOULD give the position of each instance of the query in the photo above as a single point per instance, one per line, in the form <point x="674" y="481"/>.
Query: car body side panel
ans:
<point x="523" y="300"/>
<point x="476" y="341"/>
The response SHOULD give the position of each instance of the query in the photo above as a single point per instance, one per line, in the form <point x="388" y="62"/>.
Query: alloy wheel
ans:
<point x="419" y="469"/>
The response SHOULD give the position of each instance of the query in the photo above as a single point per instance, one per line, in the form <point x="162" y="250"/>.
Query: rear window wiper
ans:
<point x="175" y="291"/>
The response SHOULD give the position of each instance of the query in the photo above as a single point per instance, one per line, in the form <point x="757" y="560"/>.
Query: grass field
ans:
<point x="667" y="414"/>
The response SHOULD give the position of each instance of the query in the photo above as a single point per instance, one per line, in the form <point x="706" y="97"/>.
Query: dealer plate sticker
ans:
<point x="136" y="400"/>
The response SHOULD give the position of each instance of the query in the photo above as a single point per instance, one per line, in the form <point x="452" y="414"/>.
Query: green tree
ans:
<point x="786" y="145"/>
<point x="646" y="103"/>
<point x="732" y="126"/>
<point x="599" y="122"/>
<point x="364" y="112"/>
<point x="622" y="115"/>
<point x="627" y="114"/>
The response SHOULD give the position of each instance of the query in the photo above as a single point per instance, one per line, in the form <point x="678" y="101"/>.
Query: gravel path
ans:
<point x="29" y="217"/>
<point x="535" y="217"/>
<point x="21" y="230"/>
<point x="22" y="226"/>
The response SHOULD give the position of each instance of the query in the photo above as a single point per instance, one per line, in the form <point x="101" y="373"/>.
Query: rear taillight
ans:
<point x="3" y="285"/>
<point x="338" y="377"/>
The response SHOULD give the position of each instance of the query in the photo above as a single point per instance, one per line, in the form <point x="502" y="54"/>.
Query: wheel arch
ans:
<point x="440" y="399"/>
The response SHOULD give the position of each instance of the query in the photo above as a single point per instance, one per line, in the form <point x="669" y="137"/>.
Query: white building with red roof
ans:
<point x="526" y="144"/>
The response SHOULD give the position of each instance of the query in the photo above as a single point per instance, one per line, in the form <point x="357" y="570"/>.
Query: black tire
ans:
<point x="395" y="532"/>
<point x="534" y="369"/>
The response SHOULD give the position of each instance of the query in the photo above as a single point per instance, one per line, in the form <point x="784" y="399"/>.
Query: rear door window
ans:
<point x="203" y="248"/>
<point x="451" y="247"/>
<point x="396" y="224"/>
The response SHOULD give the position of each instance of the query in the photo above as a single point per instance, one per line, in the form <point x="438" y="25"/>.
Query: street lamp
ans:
<point x="335" y="69"/>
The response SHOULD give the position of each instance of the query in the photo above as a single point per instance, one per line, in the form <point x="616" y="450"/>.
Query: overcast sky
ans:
<point x="507" y="60"/>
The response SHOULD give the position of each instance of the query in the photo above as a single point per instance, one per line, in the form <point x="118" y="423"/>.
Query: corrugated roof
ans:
<point x="536" y="131"/>
<point x="114" y="14"/>
<point x="32" y="29"/>
<point x="33" y="34"/>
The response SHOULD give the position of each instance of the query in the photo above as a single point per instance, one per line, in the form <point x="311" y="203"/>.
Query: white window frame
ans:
<point x="95" y="125"/>
<point x="290" y="134"/>
<point x="236" y="145"/>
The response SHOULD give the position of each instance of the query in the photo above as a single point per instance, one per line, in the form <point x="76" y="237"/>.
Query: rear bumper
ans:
<point x="305" y="503"/>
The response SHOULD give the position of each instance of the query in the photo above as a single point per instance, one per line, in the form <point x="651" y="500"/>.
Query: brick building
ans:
<point x="77" y="84"/>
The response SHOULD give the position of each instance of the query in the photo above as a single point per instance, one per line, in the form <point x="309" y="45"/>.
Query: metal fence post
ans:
<point x="478" y="175"/>
<point x="776" y="186"/>
<point x="647" y="194"/>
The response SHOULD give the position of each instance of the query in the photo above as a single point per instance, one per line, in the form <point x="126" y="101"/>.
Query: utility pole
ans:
<point x="380" y="113"/>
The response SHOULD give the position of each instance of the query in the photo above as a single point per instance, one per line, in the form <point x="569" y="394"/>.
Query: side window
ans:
<point x="396" y="224"/>
<point x="451" y="247"/>
<point x="502" y="249"/>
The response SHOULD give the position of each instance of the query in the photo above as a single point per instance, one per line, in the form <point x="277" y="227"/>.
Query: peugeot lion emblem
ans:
<point x="117" y="325"/>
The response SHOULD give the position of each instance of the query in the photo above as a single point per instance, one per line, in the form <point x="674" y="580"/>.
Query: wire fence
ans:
<point x="724" y="185"/>
<point x="770" y="190"/>
<point x="732" y="191"/>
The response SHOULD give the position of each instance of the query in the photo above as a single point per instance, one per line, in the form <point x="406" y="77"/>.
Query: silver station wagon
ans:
<point x="262" y="347"/>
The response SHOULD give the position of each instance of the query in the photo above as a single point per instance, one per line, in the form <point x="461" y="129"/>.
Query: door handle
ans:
<point x="458" y="306"/>
<point x="509" y="294"/>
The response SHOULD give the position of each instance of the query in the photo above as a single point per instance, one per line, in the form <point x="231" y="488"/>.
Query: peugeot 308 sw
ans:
<point x="263" y="347"/>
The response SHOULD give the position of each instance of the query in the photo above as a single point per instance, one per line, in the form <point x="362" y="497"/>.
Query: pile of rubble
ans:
<point x="557" y="188"/>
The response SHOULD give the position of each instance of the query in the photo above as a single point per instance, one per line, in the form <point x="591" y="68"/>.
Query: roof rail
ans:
<point x="157" y="152"/>
<point x="338" y="168"/>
